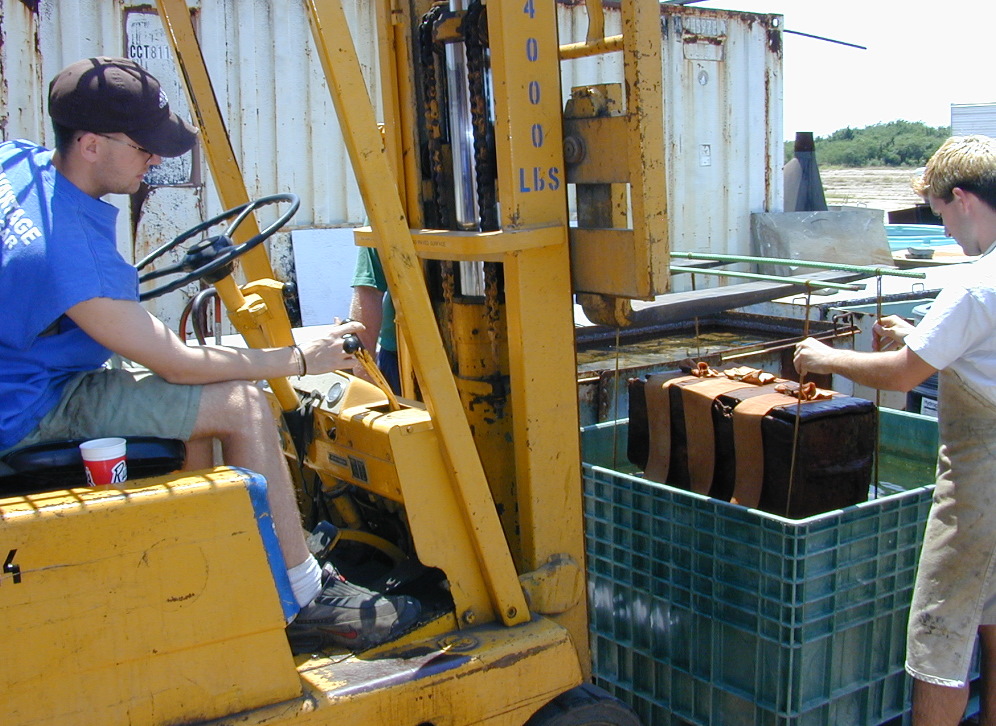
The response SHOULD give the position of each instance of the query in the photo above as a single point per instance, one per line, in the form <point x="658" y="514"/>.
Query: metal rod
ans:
<point x="612" y="44"/>
<point x="767" y="278"/>
<point x="461" y="131"/>
<point x="878" y="393"/>
<point x="801" y="263"/>
<point x="777" y="345"/>
<point x="798" y="410"/>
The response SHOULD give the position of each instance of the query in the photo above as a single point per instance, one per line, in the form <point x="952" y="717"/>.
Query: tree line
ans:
<point x="897" y="143"/>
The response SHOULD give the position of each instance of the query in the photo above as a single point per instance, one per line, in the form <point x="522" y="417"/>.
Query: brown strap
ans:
<point x="748" y="446"/>
<point x="697" y="399"/>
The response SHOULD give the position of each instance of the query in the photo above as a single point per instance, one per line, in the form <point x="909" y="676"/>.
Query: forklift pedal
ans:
<point x="322" y="539"/>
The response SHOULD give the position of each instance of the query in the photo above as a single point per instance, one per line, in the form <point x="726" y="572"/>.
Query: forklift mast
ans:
<point x="478" y="251"/>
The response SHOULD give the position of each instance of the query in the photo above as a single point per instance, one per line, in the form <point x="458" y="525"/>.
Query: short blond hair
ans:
<point x="966" y="162"/>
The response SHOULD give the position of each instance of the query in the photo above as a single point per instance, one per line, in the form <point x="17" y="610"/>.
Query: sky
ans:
<point x="920" y="59"/>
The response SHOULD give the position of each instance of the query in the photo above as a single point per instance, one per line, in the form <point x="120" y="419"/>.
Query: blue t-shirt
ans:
<point x="57" y="249"/>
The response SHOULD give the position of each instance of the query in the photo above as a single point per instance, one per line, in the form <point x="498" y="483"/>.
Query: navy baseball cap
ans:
<point x="116" y="95"/>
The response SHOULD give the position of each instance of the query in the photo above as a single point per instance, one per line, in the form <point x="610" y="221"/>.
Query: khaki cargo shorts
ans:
<point x="119" y="402"/>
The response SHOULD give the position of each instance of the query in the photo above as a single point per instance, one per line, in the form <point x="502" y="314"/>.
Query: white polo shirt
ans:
<point x="959" y="330"/>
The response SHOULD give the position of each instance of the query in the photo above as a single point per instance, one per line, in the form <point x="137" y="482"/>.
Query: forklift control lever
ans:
<point x="351" y="344"/>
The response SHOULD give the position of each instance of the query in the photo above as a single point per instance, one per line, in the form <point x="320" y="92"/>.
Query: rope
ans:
<point x="878" y="391"/>
<point x="798" y="406"/>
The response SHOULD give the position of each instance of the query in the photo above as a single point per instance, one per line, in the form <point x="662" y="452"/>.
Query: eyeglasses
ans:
<point x="119" y="141"/>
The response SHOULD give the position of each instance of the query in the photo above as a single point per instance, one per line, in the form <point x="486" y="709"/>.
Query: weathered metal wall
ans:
<point x="268" y="83"/>
<point x="722" y="76"/>
<point x="20" y="71"/>
<point x="267" y="80"/>
<point x="722" y="118"/>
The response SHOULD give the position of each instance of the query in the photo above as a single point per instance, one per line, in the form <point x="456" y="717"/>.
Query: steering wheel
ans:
<point x="212" y="258"/>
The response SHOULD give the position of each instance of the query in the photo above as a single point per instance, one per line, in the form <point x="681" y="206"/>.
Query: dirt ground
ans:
<point x="885" y="189"/>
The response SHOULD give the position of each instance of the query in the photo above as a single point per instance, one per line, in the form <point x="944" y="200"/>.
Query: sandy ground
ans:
<point x="885" y="189"/>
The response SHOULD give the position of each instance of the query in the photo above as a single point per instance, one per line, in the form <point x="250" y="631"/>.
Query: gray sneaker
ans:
<point x="350" y="616"/>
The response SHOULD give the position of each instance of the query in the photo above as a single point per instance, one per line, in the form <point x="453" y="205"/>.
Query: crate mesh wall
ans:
<point x="704" y="612"/>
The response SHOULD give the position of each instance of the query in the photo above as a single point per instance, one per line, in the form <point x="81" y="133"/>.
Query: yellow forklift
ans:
<point x="153" y="602"/>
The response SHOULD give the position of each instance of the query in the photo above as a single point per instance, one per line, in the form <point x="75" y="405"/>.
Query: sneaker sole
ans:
<point x="306" y="637"/>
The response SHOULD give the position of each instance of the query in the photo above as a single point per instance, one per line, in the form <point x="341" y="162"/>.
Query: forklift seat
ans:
<point x="54" y="465"/>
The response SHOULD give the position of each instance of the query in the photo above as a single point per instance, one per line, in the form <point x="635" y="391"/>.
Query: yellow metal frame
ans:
<point x="261" y="317"/>
<point x="532" y="245"/>
<point x="403" y="271"/>
<point x="625" y="147"/>
<point x="105" y="616"/>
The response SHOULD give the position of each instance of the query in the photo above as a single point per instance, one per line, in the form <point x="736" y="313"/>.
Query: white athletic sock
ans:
<point x="305" y="581"/>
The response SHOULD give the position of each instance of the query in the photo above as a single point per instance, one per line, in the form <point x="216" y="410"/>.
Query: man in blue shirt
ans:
<point x="70" y="301"/>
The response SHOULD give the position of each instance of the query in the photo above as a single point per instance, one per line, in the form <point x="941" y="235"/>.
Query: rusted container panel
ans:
<point x="20" y="73"/>
<point x="722" y="106"/>
<point x="260" y="56"/>
<point x="722" y="118"/>
<point x="269" y="86"/>
<point x="278" y="109"/>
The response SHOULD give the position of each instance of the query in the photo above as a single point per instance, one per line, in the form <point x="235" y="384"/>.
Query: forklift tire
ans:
<point x="585" y="705"/>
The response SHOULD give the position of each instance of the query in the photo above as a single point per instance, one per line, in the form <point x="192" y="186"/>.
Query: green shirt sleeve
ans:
<point x="368" y="271"/>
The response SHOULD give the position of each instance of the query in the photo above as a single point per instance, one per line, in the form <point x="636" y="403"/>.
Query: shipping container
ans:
<point x="722" y="119"/>
<point x="973" y="118"/>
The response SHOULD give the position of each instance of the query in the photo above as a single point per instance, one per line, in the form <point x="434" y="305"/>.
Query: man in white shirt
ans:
<point x="954" y="597"/>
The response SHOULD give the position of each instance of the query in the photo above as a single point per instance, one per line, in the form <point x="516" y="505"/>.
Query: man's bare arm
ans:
<point x="367" y="306"/>
<point x="893" y="370"/>
<point x="131" y="331"/>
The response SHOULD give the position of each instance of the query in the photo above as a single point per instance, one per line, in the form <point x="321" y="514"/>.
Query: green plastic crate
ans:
<point x="704" y="612"/>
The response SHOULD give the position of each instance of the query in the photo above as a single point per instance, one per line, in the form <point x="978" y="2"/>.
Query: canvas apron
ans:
<point x="956" y="583"/>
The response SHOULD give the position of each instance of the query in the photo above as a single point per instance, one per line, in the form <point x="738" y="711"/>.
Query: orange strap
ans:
<point x="659" y="424"/>
<point x="748" y="444"/>
<point x="699" y="430"/>
<point x="697" y="397"/>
